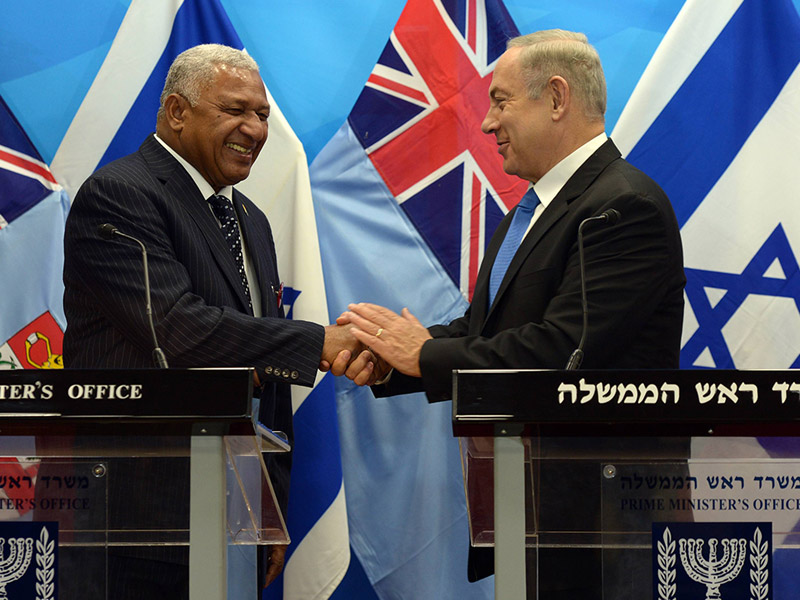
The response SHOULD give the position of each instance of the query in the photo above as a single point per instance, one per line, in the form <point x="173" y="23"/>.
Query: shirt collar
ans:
<point x="551" y="182"/>
<point x="205" y="188"/>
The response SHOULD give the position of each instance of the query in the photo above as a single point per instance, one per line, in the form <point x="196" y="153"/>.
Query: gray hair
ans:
<point x="195" y="68"/>
<point x="569" y="55"/>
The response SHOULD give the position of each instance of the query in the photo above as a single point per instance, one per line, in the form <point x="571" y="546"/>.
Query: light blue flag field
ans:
<point x="407" y="194"/>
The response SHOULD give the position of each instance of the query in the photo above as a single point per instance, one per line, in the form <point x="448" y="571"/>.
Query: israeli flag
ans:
<point x="116" y="115"/>
<point x="714" y="119"/>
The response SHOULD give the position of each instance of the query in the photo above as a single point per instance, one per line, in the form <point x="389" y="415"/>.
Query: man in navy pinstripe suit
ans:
<point x="210" y="129"/>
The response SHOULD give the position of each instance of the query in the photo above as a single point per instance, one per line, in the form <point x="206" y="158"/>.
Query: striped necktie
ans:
<point x="223" y="210"/>
<point x="519" y="225"/>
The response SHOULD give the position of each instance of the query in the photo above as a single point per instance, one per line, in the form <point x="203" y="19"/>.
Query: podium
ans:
<point x="126" y="463"/>
<point x="636" y="484"/>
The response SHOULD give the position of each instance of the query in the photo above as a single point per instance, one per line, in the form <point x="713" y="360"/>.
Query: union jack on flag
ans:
<point x="30" y="199"/>
<point x="418" y="119"/>
<point x="24" y="178"/>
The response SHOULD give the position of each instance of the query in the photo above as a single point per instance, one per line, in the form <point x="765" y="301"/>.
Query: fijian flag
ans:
<point x="33" y="209"/>
<point x="116" y="115"/>
<point x="714" y="119"/>
<point x="407" y="194"/>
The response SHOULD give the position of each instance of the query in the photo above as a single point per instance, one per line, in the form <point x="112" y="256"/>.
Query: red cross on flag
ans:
<point x="419" y="118"/>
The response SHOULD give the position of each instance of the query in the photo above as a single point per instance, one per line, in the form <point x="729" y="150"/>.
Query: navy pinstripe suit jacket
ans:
<point x="199" y="306"/>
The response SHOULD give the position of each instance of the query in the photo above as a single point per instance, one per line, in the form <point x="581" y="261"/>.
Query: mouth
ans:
<point x="501" y="147"/>
<point x="239" y="149"/>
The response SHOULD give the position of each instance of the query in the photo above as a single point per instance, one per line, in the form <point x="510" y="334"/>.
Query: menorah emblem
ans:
<point x="713" y="572"/>
<point x="16" y="563"/>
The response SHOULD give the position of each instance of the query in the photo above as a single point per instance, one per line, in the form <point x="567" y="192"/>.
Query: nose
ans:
<point x="253" y="126"/>
<point x="489" y="124"/>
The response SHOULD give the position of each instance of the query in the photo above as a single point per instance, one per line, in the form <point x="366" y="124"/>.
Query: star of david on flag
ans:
<point x="724" y="150"/>
<point x="419" y="117"/>
<point x="772" y="276"/>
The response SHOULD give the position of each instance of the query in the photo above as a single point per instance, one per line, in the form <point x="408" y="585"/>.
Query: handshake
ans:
<point x="368" y="341"/>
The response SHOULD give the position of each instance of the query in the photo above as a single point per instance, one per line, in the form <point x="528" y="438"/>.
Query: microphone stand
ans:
<point x="108" y="231"/>
<point x="609" y="217"/>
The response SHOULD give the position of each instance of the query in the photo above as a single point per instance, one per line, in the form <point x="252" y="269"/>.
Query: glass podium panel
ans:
<point x="70" y="503"/>
<point x="651" y="517"/>
<point x="253" y="515"/>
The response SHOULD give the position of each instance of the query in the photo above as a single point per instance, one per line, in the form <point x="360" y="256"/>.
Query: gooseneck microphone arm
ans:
<point x="608" y="217"/>
<point x="107" y="231"/>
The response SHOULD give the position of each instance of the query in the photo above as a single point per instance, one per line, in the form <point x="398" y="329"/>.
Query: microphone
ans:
<point x="107" y="231"/>
<point x="608" y="217"/>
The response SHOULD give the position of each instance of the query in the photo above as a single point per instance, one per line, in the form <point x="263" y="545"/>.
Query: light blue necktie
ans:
<point x="519" y="225"/>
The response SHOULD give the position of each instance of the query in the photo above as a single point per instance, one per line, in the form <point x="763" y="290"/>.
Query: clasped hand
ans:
<point x="344" y="354"/>
<point x="387" y="340"/>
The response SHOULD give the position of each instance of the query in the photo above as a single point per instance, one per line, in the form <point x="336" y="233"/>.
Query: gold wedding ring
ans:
<point x="380" y="331"/>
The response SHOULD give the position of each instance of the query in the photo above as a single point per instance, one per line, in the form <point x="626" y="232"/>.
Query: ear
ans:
<point x="175" y="109"/>
<point x="560" y="96"/>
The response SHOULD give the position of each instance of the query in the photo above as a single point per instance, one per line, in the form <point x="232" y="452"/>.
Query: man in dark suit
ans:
<point x="214" y="278"/>
<point x="547" y="105"/>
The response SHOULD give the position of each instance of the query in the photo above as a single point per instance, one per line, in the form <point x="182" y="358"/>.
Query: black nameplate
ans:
<point x="669" y="402"/>
<point x="177" y="399"/>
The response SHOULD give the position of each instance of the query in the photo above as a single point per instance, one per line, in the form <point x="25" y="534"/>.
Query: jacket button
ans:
<point x="295" y="374"/>
<point x="268" y="370"/>
<point x="285" y="373"/>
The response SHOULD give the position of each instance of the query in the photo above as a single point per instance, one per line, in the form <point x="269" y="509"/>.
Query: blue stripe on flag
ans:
<point x="316" y="458"/>
<point x="197" y="22"/>
<point x="735" y="83"/>
<point x="355" y="584"/>
<point x="316" y="474"/>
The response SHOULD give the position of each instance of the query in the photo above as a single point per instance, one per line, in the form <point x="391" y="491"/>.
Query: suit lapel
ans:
<point x="558" y="207"/>
<point x="182" y="188"/>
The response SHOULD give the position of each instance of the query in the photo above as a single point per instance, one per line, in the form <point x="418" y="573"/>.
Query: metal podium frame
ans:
<point x="207" y="511"/>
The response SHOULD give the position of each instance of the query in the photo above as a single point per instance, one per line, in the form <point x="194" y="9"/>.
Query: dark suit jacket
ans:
<point x="199" y="306"/>
<point x="634" y="282"/>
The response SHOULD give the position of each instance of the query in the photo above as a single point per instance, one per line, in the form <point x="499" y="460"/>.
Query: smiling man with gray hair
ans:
<point x="216" y="292"/>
